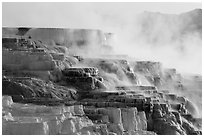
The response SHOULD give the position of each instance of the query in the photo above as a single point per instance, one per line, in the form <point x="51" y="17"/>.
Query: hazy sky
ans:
<point x="77" y="15"/>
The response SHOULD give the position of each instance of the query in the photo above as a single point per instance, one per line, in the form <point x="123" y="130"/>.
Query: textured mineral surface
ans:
<point x="48" y="89"/>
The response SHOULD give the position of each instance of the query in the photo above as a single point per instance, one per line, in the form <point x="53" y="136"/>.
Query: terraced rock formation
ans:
<point x="48" y="90"/>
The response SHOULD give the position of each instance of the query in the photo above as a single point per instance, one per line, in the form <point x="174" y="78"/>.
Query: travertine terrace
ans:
<point x="49" y="89"/>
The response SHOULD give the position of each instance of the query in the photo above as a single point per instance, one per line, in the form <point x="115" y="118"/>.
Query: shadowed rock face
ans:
<point x="28" y="88"/>
<point x="84" y="78"/>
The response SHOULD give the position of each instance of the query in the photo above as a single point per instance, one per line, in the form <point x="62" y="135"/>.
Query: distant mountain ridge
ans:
<point x="159" y="28"/>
